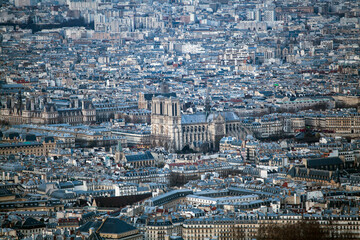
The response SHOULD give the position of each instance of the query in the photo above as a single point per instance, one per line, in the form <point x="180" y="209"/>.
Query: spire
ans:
<point x="119" y="155"/>
<point x="20" y="106"/>
<point x="207" y="100"/>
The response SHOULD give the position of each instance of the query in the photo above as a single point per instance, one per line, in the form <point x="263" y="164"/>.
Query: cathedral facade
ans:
<point x="200" y="131"/>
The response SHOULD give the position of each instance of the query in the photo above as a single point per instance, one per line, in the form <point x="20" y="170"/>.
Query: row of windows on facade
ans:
<point x="203" y="128"/>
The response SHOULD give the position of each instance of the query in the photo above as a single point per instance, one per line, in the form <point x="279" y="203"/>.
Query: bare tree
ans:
<point x="205" y="147"/>
<point x="238" y="233"/>
<point x="177" y="179"/>
<point x="302" y="230"/>
<point x="306" y="230"/>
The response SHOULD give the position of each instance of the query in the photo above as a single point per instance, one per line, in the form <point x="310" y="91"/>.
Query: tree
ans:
<point x="4" y="123"/>
<point x="320" y="106"/>
<point x="238" y="233"/>
<point x="177" y="179"/>
<point x="160" y="164"/>
<point x="306" y="230"/>
<point x="127" y="119"/>
<point x="136" y="119"/>
<point x="302" y="230"/>
<point x="148" y="119"/>
<point x="186" y="149"/>
<point x="204" y="148"/>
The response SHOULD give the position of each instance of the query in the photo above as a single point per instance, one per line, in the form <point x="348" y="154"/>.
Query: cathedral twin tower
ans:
<point x="166" y="122"/>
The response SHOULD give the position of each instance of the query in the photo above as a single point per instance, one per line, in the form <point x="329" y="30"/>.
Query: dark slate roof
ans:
<point x="115" y="226"/>
<point x="5" y="193"/>
<point x="30" y="137"/>
<point x="267" y="93"/>
<point x="29" y="223"/>
<point x="292" y="172"/>
<point x="119" y="202"/>
<point x="88" y="215"/>
<point x="323" y="162"/>
<point x="49" y="139"/>
<point x="94" y="236"/>
<point x="63" y="185"/>
<point x="62" y="194"/>
<point x="109" y="226"/>
<point x="313" y="174"/>
<point x="159" y="222"/>
<point x="77" y="183"/>
<point x="193" y="118"/>
<point x="149" y="96"/>
<point x="140" y="157"/>
<point x="88" y="225"/>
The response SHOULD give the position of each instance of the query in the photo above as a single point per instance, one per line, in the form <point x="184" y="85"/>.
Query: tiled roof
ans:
<point x="323" y="161"/>
<point x="119" y="202"/>
<point x="193" y="118"/>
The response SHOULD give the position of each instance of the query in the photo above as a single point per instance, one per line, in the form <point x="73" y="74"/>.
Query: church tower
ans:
<point x="119" y="155"/>
<point x="217" y="129"/>
<point x="19" y="104"/>
<point x="166" y="122"/>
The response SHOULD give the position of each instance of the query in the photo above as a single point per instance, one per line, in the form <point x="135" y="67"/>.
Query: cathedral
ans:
<point x="200" y="131"/>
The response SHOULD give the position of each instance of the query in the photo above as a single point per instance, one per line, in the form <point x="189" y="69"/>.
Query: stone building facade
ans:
<point x="247" y="227"/>
<point x="40" y="111"/>
<point x="160" y="227"/>
<point x="27" y="148"/>
<point x="199" y="131"/>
